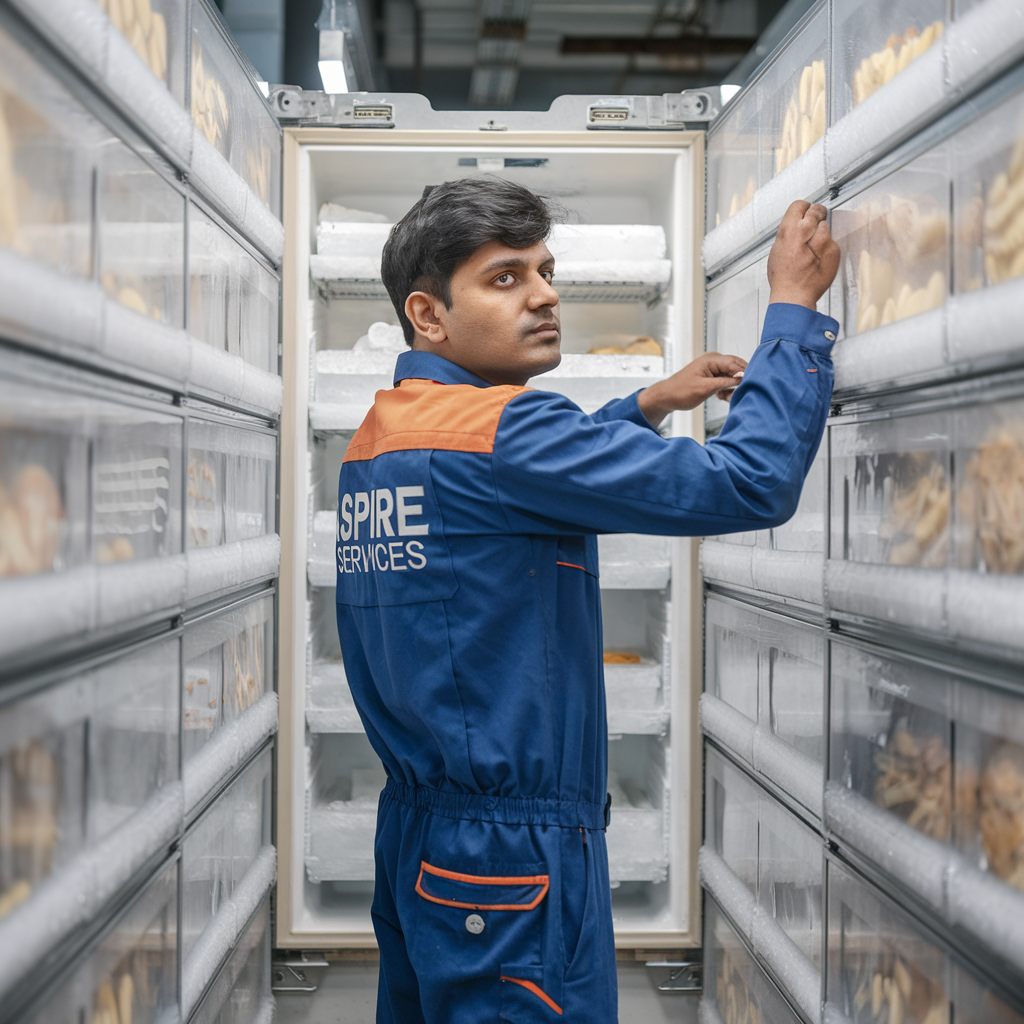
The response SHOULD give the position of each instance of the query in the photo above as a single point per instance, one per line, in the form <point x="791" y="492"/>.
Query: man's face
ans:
<point x="504" y="323"/>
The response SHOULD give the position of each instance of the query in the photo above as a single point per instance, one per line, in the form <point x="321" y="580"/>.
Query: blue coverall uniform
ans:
<point x="469" y="614"/>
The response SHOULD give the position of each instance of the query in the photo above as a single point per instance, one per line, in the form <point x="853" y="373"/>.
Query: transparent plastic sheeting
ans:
<point x="770" y="670"/>
<point x="78" y="759"/>
<point x="40" y="913"/>
<point x="769" y="849"/>
<point x="241" y="994"/>
<point x="229" y="666"/>
<point x="882" y="965"/>
<point x="221" y="847"/>
<point x="66" y="607"/>
<point x="737" y="975"/>
<point x="131" y="976"/>
<point x="225" y="929"/>
<point x="923" y="518"/>
<point x="84" y="481"/>
<point x="938" y="815"/>
<point x="231" y="485"/>
<point x="92" y="43"/>
<point x="892" y="68"/>
<point x="903" y="317"/>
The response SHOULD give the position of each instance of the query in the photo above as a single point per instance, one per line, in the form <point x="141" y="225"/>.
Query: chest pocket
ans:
<point x="578" y="553"/>
<point x="390" y="547"/>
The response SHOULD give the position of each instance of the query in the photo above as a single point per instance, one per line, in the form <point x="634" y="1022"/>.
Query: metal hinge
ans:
<point x="292" y="974"/>
<point x="672" y="110"/>
<point x="340" y="110"/>
<point x="686" y="976"/>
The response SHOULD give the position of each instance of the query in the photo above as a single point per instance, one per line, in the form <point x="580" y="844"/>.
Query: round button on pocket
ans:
<point x="474" y="924"/>
<point x="830" y="335"/>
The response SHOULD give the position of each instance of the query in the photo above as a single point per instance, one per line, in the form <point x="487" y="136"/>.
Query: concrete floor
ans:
<point x="347" y="994"/>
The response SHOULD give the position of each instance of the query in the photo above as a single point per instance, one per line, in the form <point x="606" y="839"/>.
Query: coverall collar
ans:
<point x="427" y="366"/>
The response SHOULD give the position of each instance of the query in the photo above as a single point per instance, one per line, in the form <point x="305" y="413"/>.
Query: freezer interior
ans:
<point x="622" y="249"/>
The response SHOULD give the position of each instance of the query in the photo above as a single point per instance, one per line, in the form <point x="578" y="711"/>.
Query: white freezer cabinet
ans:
<point x="130" y="977"/>
<point x="926" y="522"/>
<point x="81" y="759"/>
<point x="772" y="123"/>
<point x="764" y="695"/>
<point x="736" y="988"/>
<point x="141" y="227"/>
<point x="241" y="994"/>
<point x="231" y="486"/>
<point x="83" y="480"/>
<point x="221" y="847"/>
<point x="229" y="666"/>
<point x="774" y="854"/>
<point x="927" y="780"/>
<point x="234" y="296"/>
<point x="48" y="148"/>
<point x="638" y="781"/>
<point x="882" y="965"/>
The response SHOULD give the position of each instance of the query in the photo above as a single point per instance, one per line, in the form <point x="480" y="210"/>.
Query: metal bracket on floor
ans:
<point x="686" y="976"/>
<point x="292" y="974"/>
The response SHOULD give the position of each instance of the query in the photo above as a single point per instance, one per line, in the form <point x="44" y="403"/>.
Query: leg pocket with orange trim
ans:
<point x="491" y="926"/>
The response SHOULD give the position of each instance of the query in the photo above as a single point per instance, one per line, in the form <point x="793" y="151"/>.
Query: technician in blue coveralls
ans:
<point x="468" y="600"/>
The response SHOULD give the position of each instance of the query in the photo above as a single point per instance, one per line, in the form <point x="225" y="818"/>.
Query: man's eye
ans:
<point x="548" y="275"/>
<point x="505" y="279"/>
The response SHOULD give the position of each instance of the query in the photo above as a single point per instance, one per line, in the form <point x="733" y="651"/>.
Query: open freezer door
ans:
<point x="629" y="172"/>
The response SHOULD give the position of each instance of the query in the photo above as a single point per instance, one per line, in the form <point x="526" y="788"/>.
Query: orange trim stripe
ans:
<point x="542" y="880"/>
<point x="537" y="991"/>
<point x="424" y="414"/>
<point x="571" y="565"/>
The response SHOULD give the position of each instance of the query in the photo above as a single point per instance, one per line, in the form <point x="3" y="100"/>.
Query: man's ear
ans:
<point x="424" y="312"/>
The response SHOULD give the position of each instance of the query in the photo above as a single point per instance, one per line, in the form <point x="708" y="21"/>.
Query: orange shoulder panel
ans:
<point x="425" y="414"/>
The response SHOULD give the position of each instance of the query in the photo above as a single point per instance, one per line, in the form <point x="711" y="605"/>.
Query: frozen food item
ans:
<point x="732" y="996"/>
<point x="243" y="670"/>
<point x="900" y="993"/>
<point x="144" y="28"/>
<point x="204" y="526"/>
<point x="118" y="550"/>
<point x="643" y="346"/>
<point x="916" y="526"/>
<point x="209" y="103"/>
<point x="1002" y="813"/>
<point x="14" y="897"/>
<point x="804" y="123"/>
<point x="128" y="291"/>
<point x="621" y="658"/>
<point x="382" y="337"/>
<point x="991" y="500"/>
<point x="336" y="213"/>
<point x="8" y="196"/>
<point x="31" y="522"/>
<point x="883" y="298"/>
<point x="109" y="1008"/>
<point x="899" y="52"/>
<point x="1003" y="220"/>
<point x="914" y="782"/>
<point x="739" y="200"/>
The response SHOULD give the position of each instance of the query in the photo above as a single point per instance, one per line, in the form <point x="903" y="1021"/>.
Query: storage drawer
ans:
<point x="736" y="165"/>
<point x="939" y="752"/>
<point x="132" y="974"/>
<point x="638" y="826"/>
<point x="232" y="479"/>
<point x="895" y="243"/>
<point x="79" y="757"/>
<point x="156" y="30"/>
<point x="735" y="987"/>
<point x="48" y="148"/>
<point x="229" y="110"/>
<point x="221" y="846"/>
<point x="873" y="42"/>
<point x="770" y="669"/>
<point x="229" y="666"/>
<point x="141" y="236"/>
<point x="736" y="308"/>
<point x="241" y="992"/>
<point x="731" y="803"/>
<point x="234" y="298"/>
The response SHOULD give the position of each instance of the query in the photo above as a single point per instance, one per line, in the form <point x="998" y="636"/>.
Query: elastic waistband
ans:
<point x="503" y="810"/>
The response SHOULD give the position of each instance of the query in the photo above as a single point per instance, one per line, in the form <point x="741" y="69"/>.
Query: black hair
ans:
<point x="447" y="225"/>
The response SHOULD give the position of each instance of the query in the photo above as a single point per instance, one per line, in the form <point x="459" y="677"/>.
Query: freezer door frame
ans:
<point x="687" y="625"/>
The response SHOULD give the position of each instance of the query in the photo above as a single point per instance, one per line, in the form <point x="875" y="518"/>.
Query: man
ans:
<point x="468" y="596"/>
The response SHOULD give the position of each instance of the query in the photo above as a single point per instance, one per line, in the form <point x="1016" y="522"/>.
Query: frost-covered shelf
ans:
<point x="637" y="842"/>
<point x="634" y="561"/>
<point x="636" y="700"/>
<point x="329" y="703"/>
<point x="339" y="839"/>
<point x="786" y="576"/>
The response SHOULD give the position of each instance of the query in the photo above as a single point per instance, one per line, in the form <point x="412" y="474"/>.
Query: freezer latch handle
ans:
<point x="292" y="974"/>
<point x="686" y="976"/>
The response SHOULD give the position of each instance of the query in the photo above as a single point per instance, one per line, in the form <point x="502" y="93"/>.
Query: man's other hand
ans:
<point x="804" y="258"/>
<point x="709" y="374"/>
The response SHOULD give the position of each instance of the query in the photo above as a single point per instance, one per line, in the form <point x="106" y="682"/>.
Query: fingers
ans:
<point x="719" y="364"/>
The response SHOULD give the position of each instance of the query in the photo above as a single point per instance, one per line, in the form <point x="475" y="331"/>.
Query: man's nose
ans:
<point x="542" y="293"/>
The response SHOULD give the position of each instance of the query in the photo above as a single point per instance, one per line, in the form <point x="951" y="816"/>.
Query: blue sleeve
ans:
<point x="623" y="409"/>
<point x="557" y="469"/>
